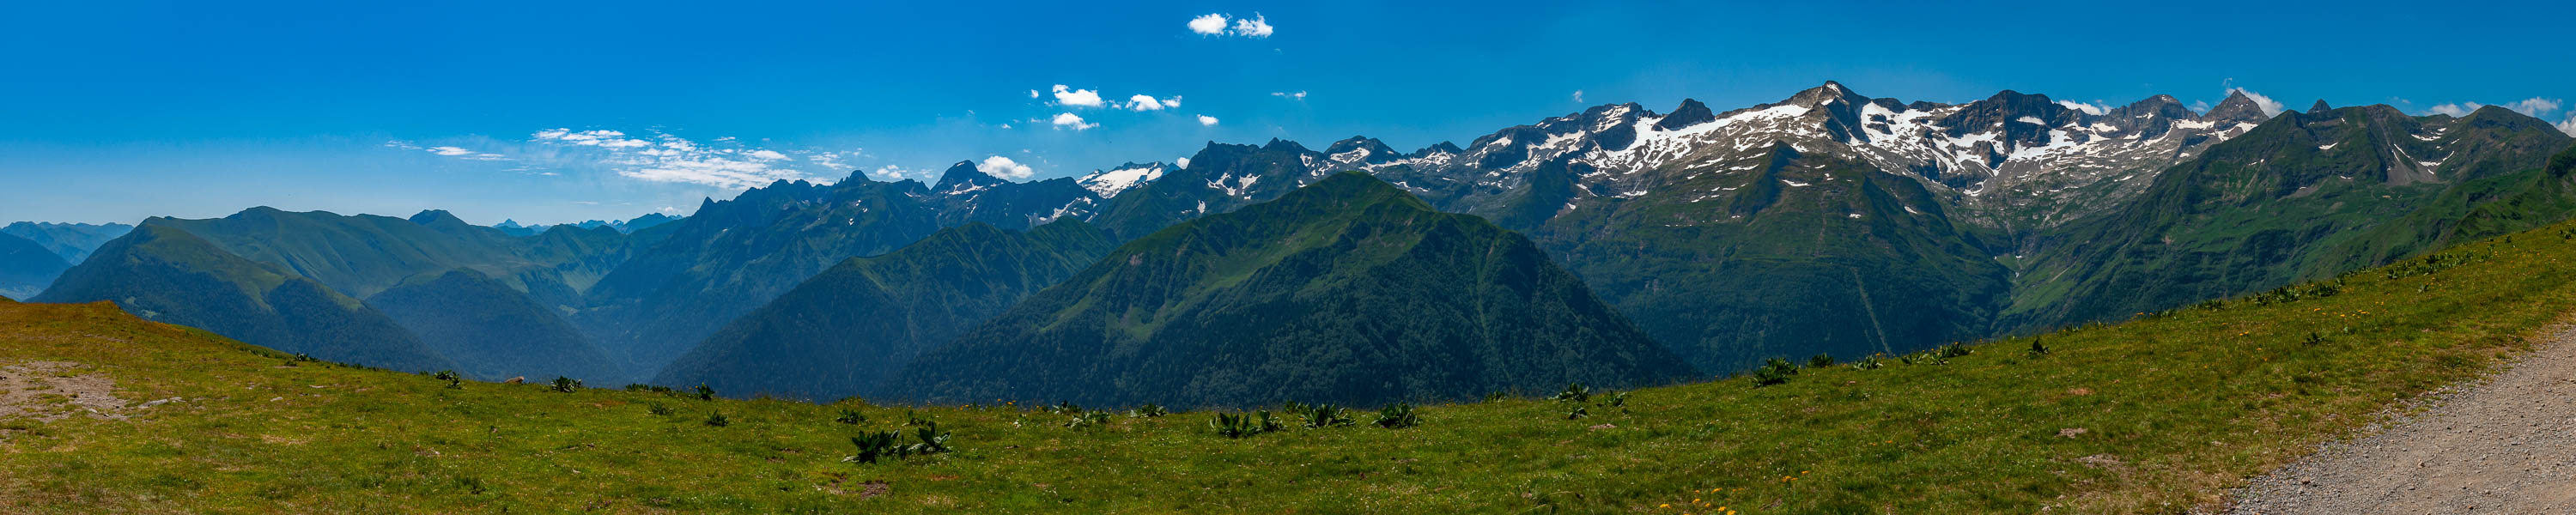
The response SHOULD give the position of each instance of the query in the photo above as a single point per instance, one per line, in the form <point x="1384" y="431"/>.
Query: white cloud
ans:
<point x="2568" y="126"/>
<point x="1210" y="25"/>
<point x="1301" y="95"/>
<point x="2269" y="106"/>
<point x="1184" y="162"/>
<point x="1065" y="120"/>
<point x="1033" y="93"/>
<point x="2536" y="106"/>
<point x="1004" y="167"/>
<point x="1578" y="96"/>
<point x="1206" y="120"/>
<point x="1257" y="26"/>
<point x="450" y="151"/>
<point x="1148" y="103"/>
<point x="2459" y="109"/>
<point x="670" y="158"/>
<point x="1077" y="97"/>
<point x="894" y="173"/>
<point x="2091" y="109"/>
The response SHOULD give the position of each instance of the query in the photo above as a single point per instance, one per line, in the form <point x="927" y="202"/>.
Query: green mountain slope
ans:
<point x="71" y="241"/>
<point x="2303" y="196"/>
<point x="841" y="332"/>
<point x="2174" y="409"/>
<point x="491" y="331"/>
<point x="360" y="255"/>
<point x="1347" y="290"/>
<point x="26" y="267"/>
<point x="1776" y="254"/>
<point x="169" y="275"/>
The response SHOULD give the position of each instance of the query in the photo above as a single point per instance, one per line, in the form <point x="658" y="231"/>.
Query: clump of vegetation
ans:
<point x="705" y="393"/>
<point x="1820" y="361"/>
<point x="1773" y="371"/>
<point x="1397" y="416"/>
<point x="2037" y="349"/>
<point x="1147" y="411"/>
<point x="657" y="409"/>
<point x="1240" y="425"/>
<point x="1575" y="392"/>
<point x="454" y="382"/>
<point x="1497" y="395"/>
<point x="1577" y="413"/>
<point x="2315" y="339"/>
<point x="1873" y="362"/>
<point x="1325" y="415"/>
<point x="851" y="417"/>
<point x="717" y="419"/>
<point x="876" y="446"/>
<point x="1088" y="419"/>
<point x="1954" y="350"/>
<point x="1616" y="399"/>
<point x="566" y="384"/>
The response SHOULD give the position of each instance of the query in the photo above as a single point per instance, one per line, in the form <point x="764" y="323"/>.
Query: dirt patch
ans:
<point x="2503" y="445"/>
<point x="53" y="390"/>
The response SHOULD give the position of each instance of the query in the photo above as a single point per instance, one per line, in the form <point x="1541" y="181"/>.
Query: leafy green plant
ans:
<point x="1147" y="411"/>
<point x="2037" y="349"/>
<point x="1820" y="361"/>
<point x="717" y="419"/>
<point x="1397" y="416"/>
<point x="705" y="393"/>
<point x="851" y="417"/>
<point x="1617" y="399"/>
<point x="933" y="440"/>
<point x="2315" y="339"/>
<point x="657" y="409"/>
<point x="1773" y="371"/>
<point x="1239" y="425"/>
<point x="1325" y="415"/>
<point x="1873" y="362"/>
<point x="875" y="446"/>
<point x="1578" y="413"/>
<point x="566" y="384"/>
<point x="1953" y="350"/>
<point x="454" y="382"/>
<point x="1087" y="420"/>
<point x="1575" y="392"/>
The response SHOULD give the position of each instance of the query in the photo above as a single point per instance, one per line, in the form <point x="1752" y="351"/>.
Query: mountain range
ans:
<point x="1828" y="222"/>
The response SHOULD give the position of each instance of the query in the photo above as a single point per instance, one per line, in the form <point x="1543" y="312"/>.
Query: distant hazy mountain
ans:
<point x="491" y="331"/>
<point x="71" y="241"/>
<point x="1346" y="291"/>
<point x="841" y="332"/>
<point x="648" y="221"/>
<point x="733" y="256"/>
<point x="168" y="275"/>
<point x="26" y="267"/>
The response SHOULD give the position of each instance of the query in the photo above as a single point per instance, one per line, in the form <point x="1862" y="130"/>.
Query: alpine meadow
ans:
<point x="1007" y="257"/>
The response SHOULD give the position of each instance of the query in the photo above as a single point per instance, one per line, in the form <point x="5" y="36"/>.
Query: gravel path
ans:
<point x="2506" y="446"/>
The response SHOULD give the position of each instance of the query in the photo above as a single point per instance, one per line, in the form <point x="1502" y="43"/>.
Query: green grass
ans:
<point x="2175" y="408"/>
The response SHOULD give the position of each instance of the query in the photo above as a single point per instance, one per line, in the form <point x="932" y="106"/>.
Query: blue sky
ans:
<point x="117" y="111"/>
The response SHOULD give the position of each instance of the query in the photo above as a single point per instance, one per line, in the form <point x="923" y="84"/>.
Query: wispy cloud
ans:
<point x="2094" y="109"/>
<point x="1300" y="95"/>
<point x="662" y="157"/>
<point x="2536" y="107"/>
<point x="2270" y="107"/>
<point x="1578" y="96"/>
<point x="1257" y="26"/>
<point x="1071" y="121"/>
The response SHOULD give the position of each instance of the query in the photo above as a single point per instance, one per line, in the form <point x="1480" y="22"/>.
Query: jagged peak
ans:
<point x="1690" y="113"/>
<point x="2319" y="107"/>
<point x="1277" y="144"/>
<point x="2237" y="107"/>
<point x="1830" y="91"/>
<point x="1376" y="148"/>
<point x="1443" y="147"/>
<point x="963" y="175"/>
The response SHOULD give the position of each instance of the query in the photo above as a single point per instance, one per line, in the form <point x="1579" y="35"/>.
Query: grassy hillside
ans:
<point x="2152" y="416"/>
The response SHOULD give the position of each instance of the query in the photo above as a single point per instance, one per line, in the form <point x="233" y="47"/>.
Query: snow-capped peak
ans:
<point x="1107" y="183"/>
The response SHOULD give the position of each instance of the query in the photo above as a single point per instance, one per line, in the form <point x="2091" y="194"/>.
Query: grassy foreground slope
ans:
<point x="2156" y="415"/>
